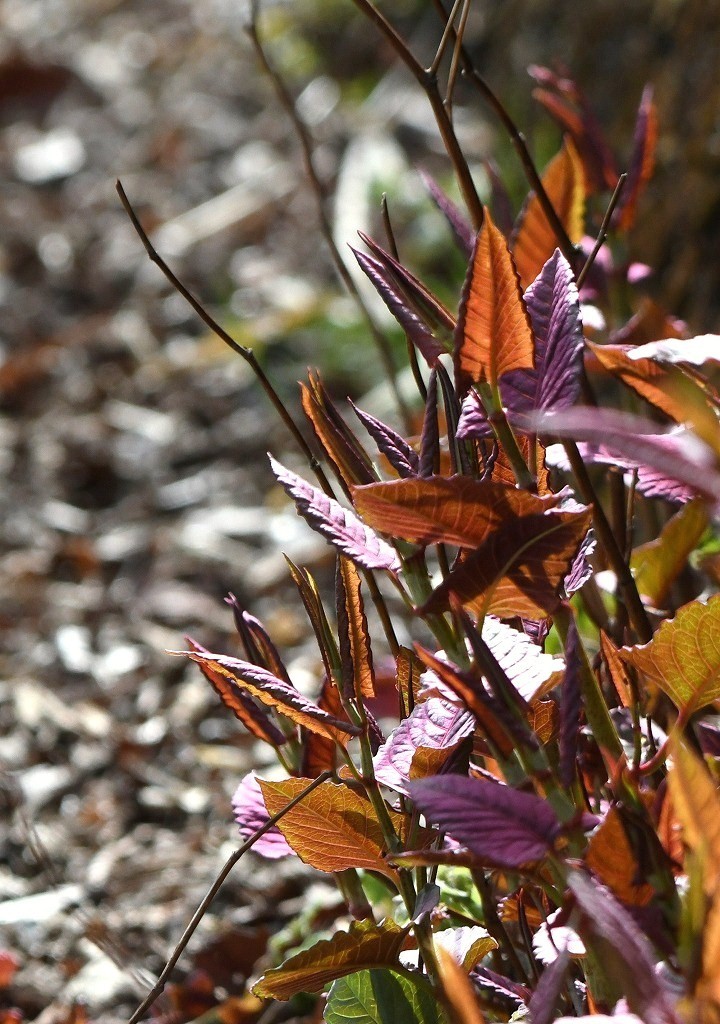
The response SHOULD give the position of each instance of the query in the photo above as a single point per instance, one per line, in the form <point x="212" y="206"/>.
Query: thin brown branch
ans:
<point x="602" y="234"/>
<point x="448" y="33"/>
<point x="212" y="893"/>
<point x="626" y="582"/>
<point x="456" y="57"/>
<point x="245" y="353"/>
<point x="307" y="148"/>
<point x="428" y="83"/>
<point x="518" y="141"/>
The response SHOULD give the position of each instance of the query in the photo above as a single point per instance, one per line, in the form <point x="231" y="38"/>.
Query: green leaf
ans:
<point x="683" y="658"/>
<point x="657" y="565"/>
<point x="365" y="945"/>
<point x="380" y="997"/>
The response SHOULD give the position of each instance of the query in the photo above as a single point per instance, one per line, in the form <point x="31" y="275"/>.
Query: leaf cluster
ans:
<point x="556" y="706"/>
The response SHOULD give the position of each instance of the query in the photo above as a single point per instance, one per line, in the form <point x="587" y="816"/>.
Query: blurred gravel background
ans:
<point x="132" y="445"/>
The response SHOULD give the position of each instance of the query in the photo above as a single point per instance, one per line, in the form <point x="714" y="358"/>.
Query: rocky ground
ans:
<point x="132" y="447"/>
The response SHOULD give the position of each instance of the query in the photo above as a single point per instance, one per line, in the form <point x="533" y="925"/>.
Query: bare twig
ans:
<point x="626" y="581"/>
<point x="246" y="353"/>
<point x="212" y="893"/>
<point x="531" y="172"/>
<point x="602" y="234"/>
<point x="447" y="35"/>
<point x="428" y="83"/>
<point x="307" y="147"/>
<point x="456" y="57"/>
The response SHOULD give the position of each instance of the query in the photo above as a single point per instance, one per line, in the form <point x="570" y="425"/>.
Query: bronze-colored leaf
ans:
<point x="445" y="510"/>
<point x="535" y="240"/>
<point x="364" y="946"/>
<point x="333" y="828"/>
<point x="683" y="658"/>
<point x="352" y="463"/>
<point x="493" y="332"/>
<point x="358" y="636"/>
<point x="459" y="993"/>
<point x="611" y="857"/>
<point x="657" y="564"/>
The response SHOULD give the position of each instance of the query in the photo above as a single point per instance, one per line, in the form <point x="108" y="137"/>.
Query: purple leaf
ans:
<point x="460" y="226"/>
<point x="499" y="199"/>
<point x="581" y="569"/>
<point x="421" y="337"/>
<point x="547" y="991"/>
<point x="554" y="383"/>
<point x="663" y="459"/>
<point x="497" y="823"/>
<point x="339" y="525"/>
<point x="436" y="726"/>
<point x="394" y="447"/>
<point x="251" y="814"/>
<point x="259" y="648"/>
<point x="622" y="948"/>
<point x="244" y="677"/>
<point x="641" y="160"/>
<point x="430" y="436"/>
<point x="499" y="983"/>
<point x="570" y="708"/>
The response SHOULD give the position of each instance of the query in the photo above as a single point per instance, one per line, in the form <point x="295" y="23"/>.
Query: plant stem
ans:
<point x="213" y="891"/>
<point x="635" y="607"/>
<point x="602" y="234"/>
<point x="307" y="147"/>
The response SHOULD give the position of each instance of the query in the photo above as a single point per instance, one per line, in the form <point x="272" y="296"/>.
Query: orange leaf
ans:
<point x="535" y="240"/>
<point x="357" y="629"/>
<point x="333" y="828"/>
<point x="667" y="389"/>
<point x="451" y="510"/>
<point x="365" y="946"/>
<point x="611" y="857"/>
<point x="319" y="753"/>
<point x="696" y="803"/>
<point x="458" y="991"/>
<point x="616" y="669"/>
<point x="342" y="447"/>
<point x="408" y="670"/>
<point x="493" y="332"/>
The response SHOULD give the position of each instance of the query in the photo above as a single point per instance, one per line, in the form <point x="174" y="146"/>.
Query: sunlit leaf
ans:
<point x="554" y="382"/>
<point x="616" y="670"/>
<point x="519" y="569"/>
<point x="407" y="678"/>
<point x="655" y="383"/>
<point x="255" y="719"/>
<point x="657" y="564"/>
<point x="535" y="239"/>
<point x="683" y="658"/>
<point x="705" y="348"/>
<point x="422" y="743"/>
<point x="337" y="524"/>
<point x="365" y="945"/>
<point x="251" y="814"/>
<point x="340" y="444"/>
<point x="451" y="510"/>
<point x="499" y="824"/>
<point x="274" y="692"/>
<point x="319" y="753"/>
<point x="259" y="646"/>
<point x="333" y="828"/>
<point x="467" y="945"/>
<point x="381" y="997"/>
<point x="627" y="440"/>
<point x="493" y="331"/>
<point x="529" y="669"/>
<point x="357" y="650"/>
<point x="394" y="447"/>
<point x="696" y="802"/>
